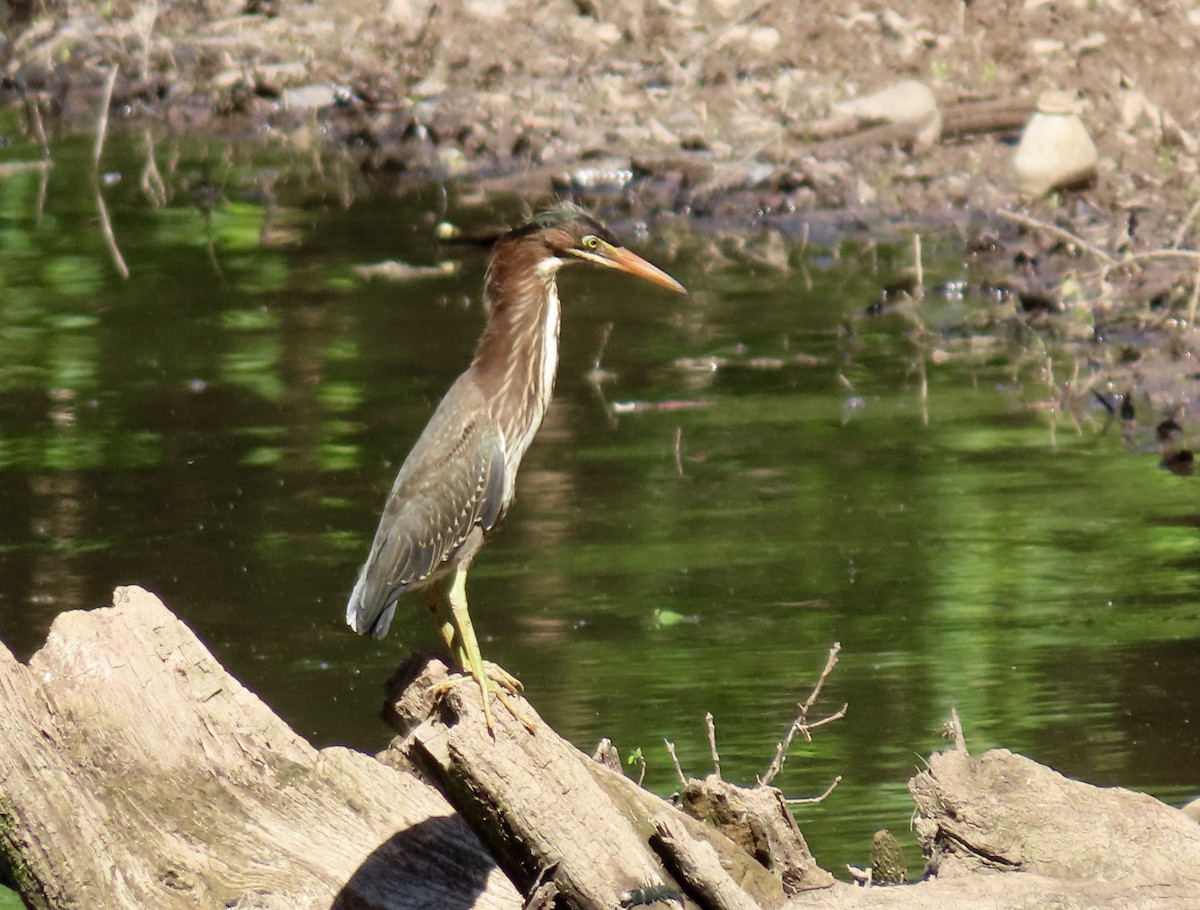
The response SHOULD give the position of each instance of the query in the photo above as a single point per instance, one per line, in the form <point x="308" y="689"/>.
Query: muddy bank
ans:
<point x="717" y="100"/>
<point x="744" y="118"/>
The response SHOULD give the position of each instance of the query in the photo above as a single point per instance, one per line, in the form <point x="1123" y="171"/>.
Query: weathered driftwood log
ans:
<point x="135" y="772"/>
<point x="1058" y="842"/>
<point x="1003" y="811"/>
<point x="551" y="814"/>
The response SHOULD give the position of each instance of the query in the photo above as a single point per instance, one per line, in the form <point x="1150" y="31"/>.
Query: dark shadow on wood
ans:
<point x="397" y="873"/>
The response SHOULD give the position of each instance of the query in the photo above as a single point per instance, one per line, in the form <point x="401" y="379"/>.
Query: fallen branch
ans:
<point x="1062" y="234"/>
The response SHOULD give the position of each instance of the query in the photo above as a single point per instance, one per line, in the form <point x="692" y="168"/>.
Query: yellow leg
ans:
<point x="454" y="622"/>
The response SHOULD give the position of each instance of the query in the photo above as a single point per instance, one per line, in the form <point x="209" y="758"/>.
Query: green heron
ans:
<point x="459" y="478"/>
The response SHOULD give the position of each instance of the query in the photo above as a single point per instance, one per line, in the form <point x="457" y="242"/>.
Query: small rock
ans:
<point x="1055" y="149"/>
<point x="763" y="40"/>
<point x="1045" y="47"/>
<point x="309" y="97"/>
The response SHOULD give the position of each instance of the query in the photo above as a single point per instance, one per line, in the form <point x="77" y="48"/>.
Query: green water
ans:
<point x="223" y="426"/>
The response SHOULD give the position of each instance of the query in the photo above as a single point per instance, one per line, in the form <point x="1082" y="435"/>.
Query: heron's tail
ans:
<point x="367" y="610"/>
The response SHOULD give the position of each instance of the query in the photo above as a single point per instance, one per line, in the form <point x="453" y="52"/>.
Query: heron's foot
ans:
<point x="503" y="678"/>
<point x="493" y="679"/>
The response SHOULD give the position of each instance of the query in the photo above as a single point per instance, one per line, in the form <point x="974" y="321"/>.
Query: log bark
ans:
<point x="548" y="812"/>
<point x="1057" y="842"/>
<point x="1003" y="811"/>
<point x="135" y="772"/>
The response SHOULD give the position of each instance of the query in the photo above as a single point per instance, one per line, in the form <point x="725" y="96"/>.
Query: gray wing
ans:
<point x="451" y="483"/>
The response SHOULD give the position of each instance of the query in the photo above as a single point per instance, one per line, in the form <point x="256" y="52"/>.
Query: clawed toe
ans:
<point x="494" y="679"/>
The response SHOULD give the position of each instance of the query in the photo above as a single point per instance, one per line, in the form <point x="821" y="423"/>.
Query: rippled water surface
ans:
<point x="690" y="535"/>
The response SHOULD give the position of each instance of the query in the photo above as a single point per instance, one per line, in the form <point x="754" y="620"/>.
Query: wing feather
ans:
<point x="452" y="482"/>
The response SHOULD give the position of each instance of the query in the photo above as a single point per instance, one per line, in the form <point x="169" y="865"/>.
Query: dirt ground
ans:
<point x="717" y="96"/>
<point x="722" y="111"/>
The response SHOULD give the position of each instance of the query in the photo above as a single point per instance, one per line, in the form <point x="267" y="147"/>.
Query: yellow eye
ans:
<point x="590" y="241"/>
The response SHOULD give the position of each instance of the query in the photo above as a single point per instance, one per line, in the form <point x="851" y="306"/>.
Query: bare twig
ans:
<point x="675" y="761"/>
<point x="640" y="760"/>
<point x="712" y="743"/>
<point x="830" y="663"/>
<point x="953" y="730"/>
<point x="679" y="452"/>
<point x="813" y="800"/>
<point x="1061" y="233"/>
<point x="1189" y="221"/>
<point x="801" y="725"/>
<point x="1133" y="258"/>
<point x="1194" y="299"/>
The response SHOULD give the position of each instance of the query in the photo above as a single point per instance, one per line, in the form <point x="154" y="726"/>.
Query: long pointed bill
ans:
<point x="617" y="257"/>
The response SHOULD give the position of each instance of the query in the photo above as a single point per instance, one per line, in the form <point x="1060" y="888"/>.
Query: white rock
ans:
<point x="1045" y="47"/>
<point x="308" y="97"/>
<point x="1055" y="149"/>
<point x="763" y="40"/>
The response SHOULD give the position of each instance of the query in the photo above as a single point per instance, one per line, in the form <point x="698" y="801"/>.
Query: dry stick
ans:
<point x="712" y="743"/>
<point x="1194" y="300"/>
<point x="675" y="760"/>
<point x="1188" y="220"/>
<point x="956" y="730"/>
<point x="1055" y="231"/>
<point x="801" y="724"/>
<point x="813" y="800"/>
<point x="1190" y="255"/>
<point x="679" y="456"/>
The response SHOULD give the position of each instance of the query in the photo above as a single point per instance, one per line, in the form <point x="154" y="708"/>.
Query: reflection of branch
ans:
<point x="102" y="123"/>
<point x="35" y="114"/>
<point x="152" y="182"/>
<point x="597" y="376"/>
<point x="98" y="149"/>
<point x="106" y="228"/>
